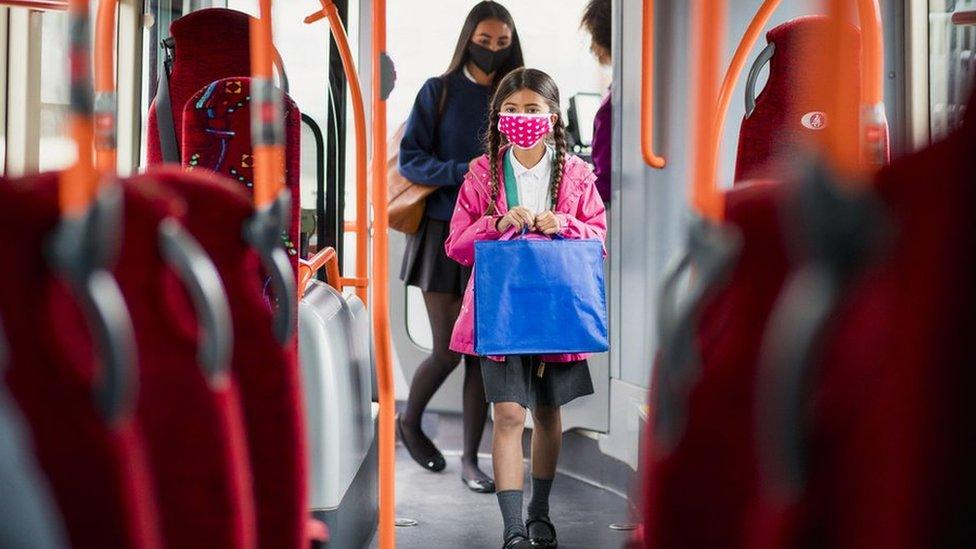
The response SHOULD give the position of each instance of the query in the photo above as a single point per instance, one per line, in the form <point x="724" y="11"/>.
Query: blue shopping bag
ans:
<point x="536" y="297"/>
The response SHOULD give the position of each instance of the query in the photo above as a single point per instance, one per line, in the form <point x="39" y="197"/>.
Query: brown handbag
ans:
<point x="406" y="200"/>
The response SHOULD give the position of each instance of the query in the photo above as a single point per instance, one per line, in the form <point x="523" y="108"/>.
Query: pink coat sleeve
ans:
<point x="589" y="221"/>
<point x="469" y="223"/>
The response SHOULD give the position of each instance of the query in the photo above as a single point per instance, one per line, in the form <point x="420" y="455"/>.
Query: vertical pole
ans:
<point x="380" y="293"/>
<point x="708" y="34"/>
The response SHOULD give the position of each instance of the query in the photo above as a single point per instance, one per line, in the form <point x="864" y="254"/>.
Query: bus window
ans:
<point x="952" y="64"/>
<point x="57" y="150"/>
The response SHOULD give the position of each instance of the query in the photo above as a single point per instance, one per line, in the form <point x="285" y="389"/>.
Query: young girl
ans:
<point x="556" y="195"/>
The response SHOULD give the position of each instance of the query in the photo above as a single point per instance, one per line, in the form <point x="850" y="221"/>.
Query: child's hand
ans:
<point x="547" y="223"/>
<point x="518" y="217"/>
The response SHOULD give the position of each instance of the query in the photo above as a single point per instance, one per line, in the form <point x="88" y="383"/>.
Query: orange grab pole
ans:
<point x="708" y="30"/>
<point x="361" y="227"/>
<point x="77" y="184"/>
<point x="651" y="158"/>
<point x="105" y="93"/>
<point x="269" y="154"/>
<point x="381" y="289"/>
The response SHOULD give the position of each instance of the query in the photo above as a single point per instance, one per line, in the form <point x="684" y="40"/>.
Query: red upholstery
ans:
<point x="889" y="416"/>
<point x="698" y="495"/>
<point x="217" y="136"/>
<point x="267" y="372"/>
<point x="194" y="433"/>
<point x="776" y="126"/>
<point x="98" y="473"/>
<point x="210" y="44"/>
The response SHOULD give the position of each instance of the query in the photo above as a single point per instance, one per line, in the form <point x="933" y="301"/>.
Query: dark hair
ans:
<point x="542" y="84"/>
<point x="596" y="20"/>
<point x="484" y="11"/>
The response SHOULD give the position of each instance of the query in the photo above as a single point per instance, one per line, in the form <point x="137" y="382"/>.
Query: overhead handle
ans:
<point x="651" y="158"/>
<point x="200" y="277"/>
<point x="764" y="57"/>
<point x="263" y="233"/>
<point x="80" y="250"/>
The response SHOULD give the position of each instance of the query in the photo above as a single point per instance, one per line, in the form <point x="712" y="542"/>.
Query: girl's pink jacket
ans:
<point x="579" y="209"/>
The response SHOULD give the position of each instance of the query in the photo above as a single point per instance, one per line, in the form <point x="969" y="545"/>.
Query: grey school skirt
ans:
<point x="426" y="265"/>
<point x="526" y="380"/>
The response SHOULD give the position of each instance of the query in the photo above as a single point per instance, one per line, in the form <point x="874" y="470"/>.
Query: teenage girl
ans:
<point x="442" y="136"/>
<point x="556" y="195"/>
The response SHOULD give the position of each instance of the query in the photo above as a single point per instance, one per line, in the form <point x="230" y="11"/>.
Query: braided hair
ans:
<point x="542" y="84"/>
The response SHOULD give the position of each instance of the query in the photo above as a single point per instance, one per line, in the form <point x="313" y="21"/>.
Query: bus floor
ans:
<point x="450" y="515"/>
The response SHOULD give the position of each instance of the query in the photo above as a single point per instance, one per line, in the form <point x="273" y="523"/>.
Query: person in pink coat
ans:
<point x="556" y="195"/>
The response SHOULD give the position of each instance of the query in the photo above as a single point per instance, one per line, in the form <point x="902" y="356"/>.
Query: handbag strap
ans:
<point x="511" y="185"/>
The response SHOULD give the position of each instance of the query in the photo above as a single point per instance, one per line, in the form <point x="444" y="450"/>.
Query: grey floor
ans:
<point x="449" y="515"/>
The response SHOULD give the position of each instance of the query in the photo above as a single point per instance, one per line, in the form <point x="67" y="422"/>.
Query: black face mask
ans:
<point x="487" y="60"/>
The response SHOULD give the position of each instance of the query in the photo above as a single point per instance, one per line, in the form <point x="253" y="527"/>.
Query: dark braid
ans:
<point x="494" y="140"/>
<point x="558" y="160"/>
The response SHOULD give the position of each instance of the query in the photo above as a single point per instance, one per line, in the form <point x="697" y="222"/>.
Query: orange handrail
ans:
<point x="381" y="290"/>
<point x="77" y="184"/>
<point x="307" y="268"/>
<point x="739" y="59"/>
<point x="105" y="94"/>
<point x="40" y="5"/>
<point x="651" y="158"/>
<point x="330" y="12"/>
<point x="708" y="30"/>
<point x="269" y="146"/>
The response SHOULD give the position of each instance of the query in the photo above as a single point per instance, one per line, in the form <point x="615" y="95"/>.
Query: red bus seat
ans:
<point x="30" y="519"/>
<point x="191" y="418"/>
<point x="784" y="114"/>
<point x="887" y="413"/>
<point x="97" y="469"/>
<point x="217" y="136"/>
<point x="697" y="493"/>
<point x="267" y="372"/>
<point x="210" y="44"/>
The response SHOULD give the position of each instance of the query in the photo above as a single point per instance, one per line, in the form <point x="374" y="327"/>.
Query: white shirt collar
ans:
<point x="539" y="170"/>
<point x="468" y="74"/>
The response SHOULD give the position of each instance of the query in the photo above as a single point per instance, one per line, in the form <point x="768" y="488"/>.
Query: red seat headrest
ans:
<point x="787" y="111"/>
<point x="210" y="44"/>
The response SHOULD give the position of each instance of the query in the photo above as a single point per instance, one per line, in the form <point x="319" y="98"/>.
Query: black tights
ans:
<point x="443" y="309"/>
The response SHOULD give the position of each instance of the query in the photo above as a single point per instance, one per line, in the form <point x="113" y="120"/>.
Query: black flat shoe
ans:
<point x="486" y="486"/>
<point x="518" y="541"/>
<point x="434" y="463"/>
<point x="542" y="534"/>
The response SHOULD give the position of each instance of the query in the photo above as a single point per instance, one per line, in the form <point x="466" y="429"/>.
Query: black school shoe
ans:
<point x="518" y="541"/>
<point x="434" y="463"/>
<point x="479" y="486"/>
<point x="542" y="534"/>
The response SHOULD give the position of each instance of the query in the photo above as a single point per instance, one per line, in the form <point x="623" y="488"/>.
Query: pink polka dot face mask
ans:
<point x="524" y="130"/>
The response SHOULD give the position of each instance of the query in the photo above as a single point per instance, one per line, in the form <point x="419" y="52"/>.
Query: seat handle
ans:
<point x="199" y="276"/>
